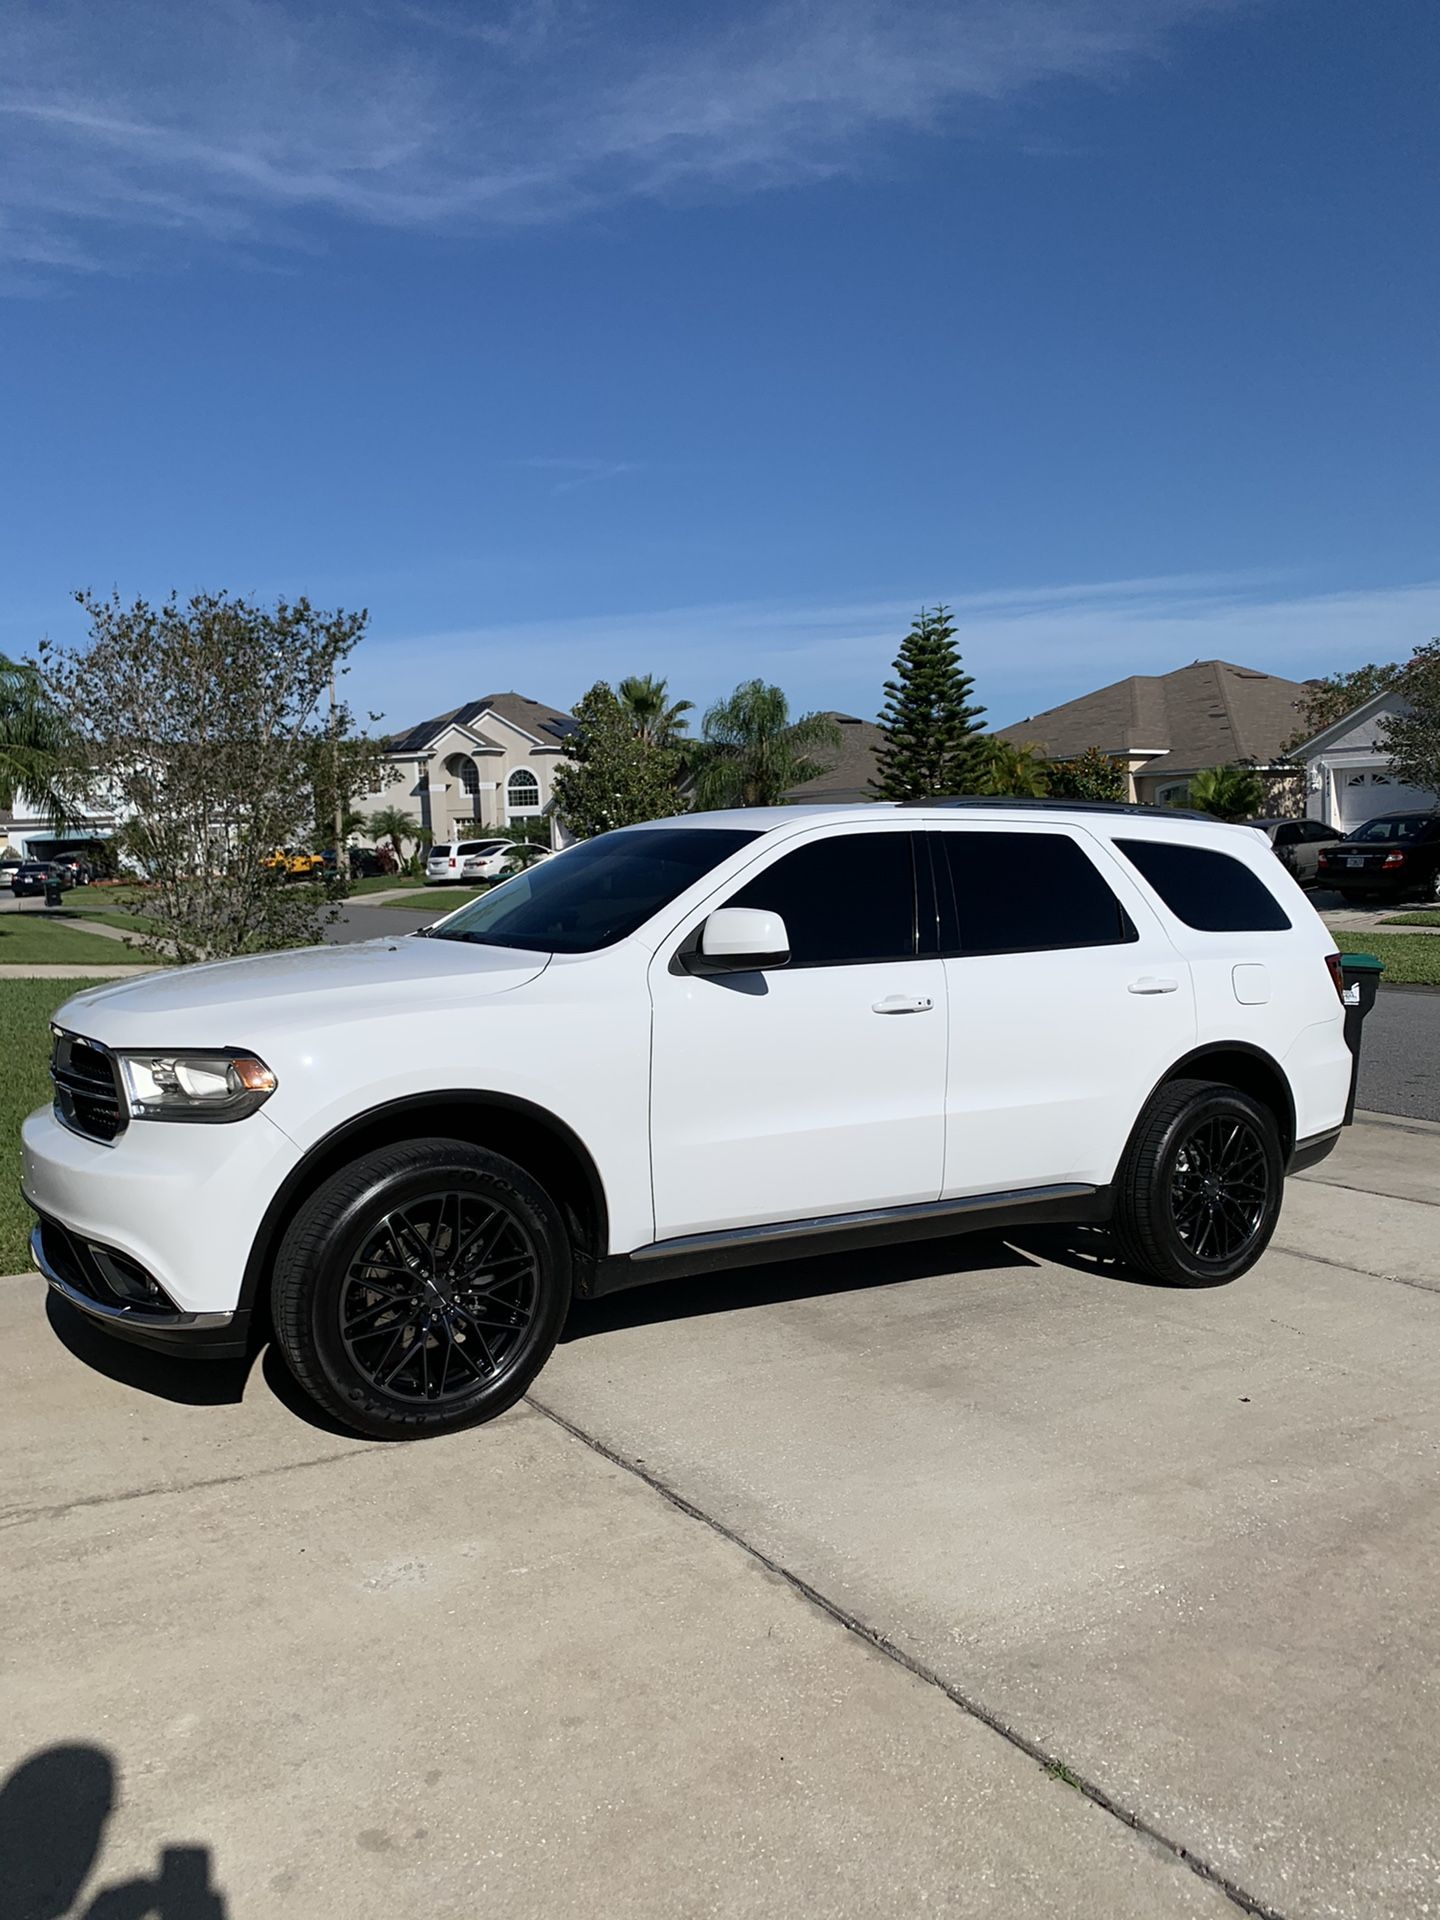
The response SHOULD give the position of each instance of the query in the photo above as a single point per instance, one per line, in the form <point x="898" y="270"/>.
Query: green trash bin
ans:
<point x="1361" y="973"/>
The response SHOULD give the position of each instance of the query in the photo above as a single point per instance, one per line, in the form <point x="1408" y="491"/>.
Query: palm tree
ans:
<point x="394" y="824"/>
<point x="656" y="720"/>
<point x="753" y="753"/>
<point x="1230" y="793"/>
<point x="37" y="752"/>
<point x="1011" y="770"/>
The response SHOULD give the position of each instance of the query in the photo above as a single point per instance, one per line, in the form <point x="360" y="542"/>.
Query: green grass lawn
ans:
<point x="1409" y="960"/>
<point x="438" y="900"/>
<point x="1419" y="917"/>
<point x="383" y="882"/>
<point x="25" y="1010"/>
<point x="27" y="940"/>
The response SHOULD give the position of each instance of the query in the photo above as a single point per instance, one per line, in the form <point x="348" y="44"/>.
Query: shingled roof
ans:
<point x="549" y="725"/>
<point x="1205" y="715"/>
<point x="854" y="768"/>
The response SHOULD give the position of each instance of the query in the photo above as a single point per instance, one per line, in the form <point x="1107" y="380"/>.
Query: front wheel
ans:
<point x="422" y="1288"/>
<point x="1198" y="1192"/>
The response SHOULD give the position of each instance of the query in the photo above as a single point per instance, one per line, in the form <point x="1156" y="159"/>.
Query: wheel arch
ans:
<point x="1249" y="1069"/>
<point x="530" y="1135"/>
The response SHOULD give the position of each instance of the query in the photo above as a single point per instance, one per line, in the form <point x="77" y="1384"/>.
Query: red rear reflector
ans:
<point x="1396" y="859"/>
<point x="1337" y="972"/>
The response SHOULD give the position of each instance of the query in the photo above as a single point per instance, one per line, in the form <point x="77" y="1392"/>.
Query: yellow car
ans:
<point x="293" y="864"/>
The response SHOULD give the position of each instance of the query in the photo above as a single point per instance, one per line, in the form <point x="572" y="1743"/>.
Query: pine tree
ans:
<point x="932" y="730"/>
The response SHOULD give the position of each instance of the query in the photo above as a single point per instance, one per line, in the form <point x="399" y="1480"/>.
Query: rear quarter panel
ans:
<point x="1300" y="1022"/>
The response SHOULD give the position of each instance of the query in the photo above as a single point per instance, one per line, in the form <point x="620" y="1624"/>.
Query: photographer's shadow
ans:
<point x="53" y="1813"/>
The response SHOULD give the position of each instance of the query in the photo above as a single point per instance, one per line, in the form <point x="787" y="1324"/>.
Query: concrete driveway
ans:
<point x="974" y="1579"/>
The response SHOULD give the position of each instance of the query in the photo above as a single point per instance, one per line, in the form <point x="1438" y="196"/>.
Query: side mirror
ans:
<point x="740" y="940"/>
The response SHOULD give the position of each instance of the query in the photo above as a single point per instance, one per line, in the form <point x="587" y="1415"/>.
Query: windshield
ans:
<point x="594" y="894"/>
<point x="1398" y="826"/>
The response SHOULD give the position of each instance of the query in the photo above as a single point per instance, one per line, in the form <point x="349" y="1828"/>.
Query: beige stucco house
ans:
<point x="485" y="765"/>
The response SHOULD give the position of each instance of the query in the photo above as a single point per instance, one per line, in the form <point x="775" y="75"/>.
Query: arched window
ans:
<point x="462" y="768"/>
<point x="522" y="792"/>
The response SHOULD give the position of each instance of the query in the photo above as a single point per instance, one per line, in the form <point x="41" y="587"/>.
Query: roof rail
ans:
<point x="1053" y="805"/>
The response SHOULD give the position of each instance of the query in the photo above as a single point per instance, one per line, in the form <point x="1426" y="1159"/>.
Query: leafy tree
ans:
<point x="341" y="771"/>
<point x="1413" y="739"/>
<point x="658" y="720"/>
<point x="752" y="752"/>
<point x="1008" y="769"/>
<point x="615" y="776"/>
<point x="1323" y="702"/>
<point x="933" y="732"/>
<point x="396" y="826"/>
<point x="202" y="720"/>
<point x="39" y="755"/>
<point x="1230" y="793"/>
<point x="1091" y="775"/>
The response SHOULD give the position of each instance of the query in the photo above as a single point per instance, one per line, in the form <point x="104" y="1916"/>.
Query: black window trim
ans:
<point x="948" y="929"/>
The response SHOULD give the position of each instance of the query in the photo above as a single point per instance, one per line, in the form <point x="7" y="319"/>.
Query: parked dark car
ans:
<point x="32" y="875"/>
<point x="1297" y="844"/>
<point x="1393" y="855"/>
<point x="76" y="865"/>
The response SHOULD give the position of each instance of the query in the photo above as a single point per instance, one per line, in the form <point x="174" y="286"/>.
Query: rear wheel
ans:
<point x="421" y="1289"/>
<point x="1198" y="1192"/>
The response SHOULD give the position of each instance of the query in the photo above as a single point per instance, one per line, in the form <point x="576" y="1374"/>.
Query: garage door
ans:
<point x="1364" y="794"/>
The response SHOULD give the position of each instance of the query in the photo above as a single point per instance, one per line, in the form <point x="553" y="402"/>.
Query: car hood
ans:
<point x="235" y="1002"/>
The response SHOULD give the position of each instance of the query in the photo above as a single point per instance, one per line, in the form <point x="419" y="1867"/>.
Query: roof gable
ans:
<point x="547" y="727"/>
<point x="1359" y="721"/>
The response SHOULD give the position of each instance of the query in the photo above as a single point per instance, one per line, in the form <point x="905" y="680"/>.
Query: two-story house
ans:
<point x="488" y="764"/>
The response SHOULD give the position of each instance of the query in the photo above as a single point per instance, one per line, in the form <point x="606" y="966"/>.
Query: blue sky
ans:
<point x="576" y="339"/>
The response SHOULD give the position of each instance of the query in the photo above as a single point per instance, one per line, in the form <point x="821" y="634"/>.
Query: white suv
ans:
<point x="457" y="860"/>
<point x="702" y="1042"/>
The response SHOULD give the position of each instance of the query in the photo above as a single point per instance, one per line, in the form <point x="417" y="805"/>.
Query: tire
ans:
<point x="373" y="1322"/>
<point x="1198" y="1192"/>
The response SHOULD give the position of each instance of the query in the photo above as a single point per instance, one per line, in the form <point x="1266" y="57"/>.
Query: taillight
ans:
<point x="1396" y="859"/>
<point x="1337" y="972"/>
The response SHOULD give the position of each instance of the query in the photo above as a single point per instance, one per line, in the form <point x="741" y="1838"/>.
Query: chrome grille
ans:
<point x="87" y="1088"/>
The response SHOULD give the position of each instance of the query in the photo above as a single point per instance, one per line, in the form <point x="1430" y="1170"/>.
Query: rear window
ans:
<point x="479" y="846"/>
<point x="1208" y="890"/>
<point x="1025" y="893"/>
<point x="1393" y="829"/>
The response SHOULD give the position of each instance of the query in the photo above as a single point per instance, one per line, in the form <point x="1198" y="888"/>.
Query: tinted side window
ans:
<point x="1287" y="836"/>
<point x="847" y="899"/>
<point x="1026" y="893"/>
<point x="1206" y="889"/>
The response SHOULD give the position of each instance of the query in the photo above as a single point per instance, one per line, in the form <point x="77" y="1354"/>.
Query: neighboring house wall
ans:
<point x="1349" y="779"/>
<point x="461" y="778"/>
<point x="23" y="830"/>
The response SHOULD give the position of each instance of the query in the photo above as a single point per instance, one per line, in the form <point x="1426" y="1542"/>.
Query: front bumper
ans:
<point x="73" y="1269"/>
<point x="182" y="1203"/>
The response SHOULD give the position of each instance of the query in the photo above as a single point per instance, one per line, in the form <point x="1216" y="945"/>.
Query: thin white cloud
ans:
<point x="127" y="129"/>
<point x="1028" y="648"/>
<point x="579" y="472"/>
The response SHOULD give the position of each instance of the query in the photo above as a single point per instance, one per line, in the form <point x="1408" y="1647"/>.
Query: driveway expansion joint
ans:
<point x="1059" y="1770"/>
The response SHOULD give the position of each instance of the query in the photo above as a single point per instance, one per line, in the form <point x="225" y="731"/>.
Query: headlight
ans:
<point x="195" y="1086"/>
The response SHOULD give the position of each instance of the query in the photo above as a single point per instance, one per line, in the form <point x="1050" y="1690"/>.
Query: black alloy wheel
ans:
<point x="1218" y="1187"/>
<point x="1198" y="1192"/>
<point x="439" y="1296"/>
<point x="422" y="1288"/>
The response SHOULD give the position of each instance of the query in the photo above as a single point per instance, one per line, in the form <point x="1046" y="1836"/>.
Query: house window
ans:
<point x="462" y="768"/>
<point x="522" y="791"/>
